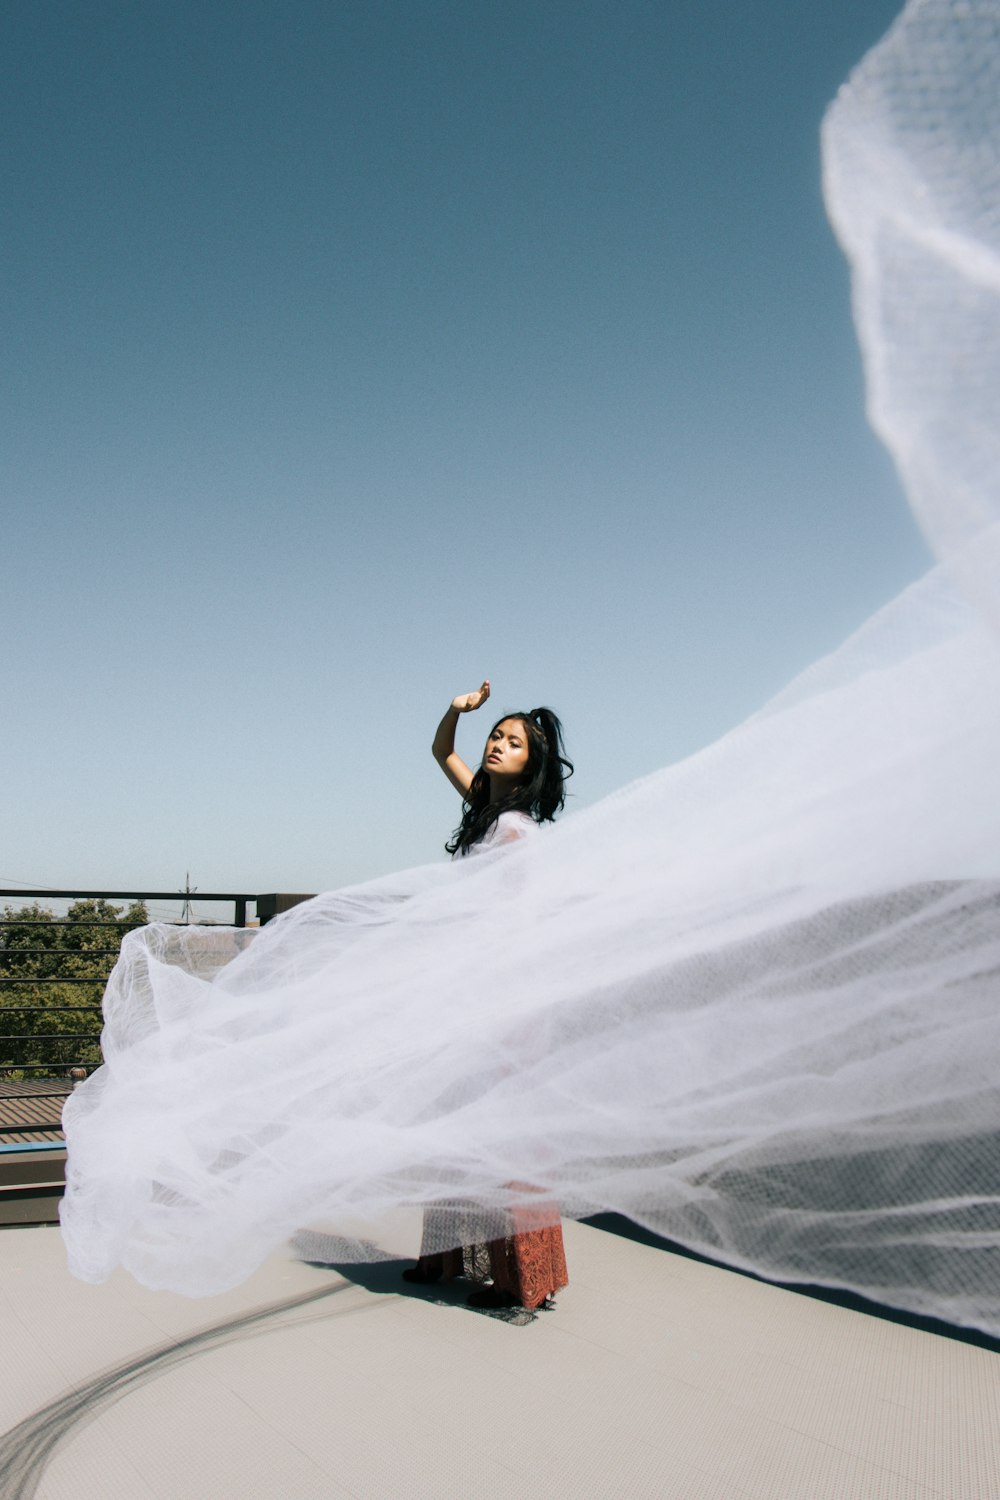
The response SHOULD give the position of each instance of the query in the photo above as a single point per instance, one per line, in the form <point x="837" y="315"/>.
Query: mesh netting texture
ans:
<point x="750" y="1001"/>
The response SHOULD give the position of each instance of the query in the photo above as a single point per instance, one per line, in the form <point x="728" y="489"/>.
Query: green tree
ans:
<point x="52" y="977"/>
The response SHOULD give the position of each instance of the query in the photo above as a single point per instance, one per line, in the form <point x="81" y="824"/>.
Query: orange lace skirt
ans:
<point x="528" y="1262"/>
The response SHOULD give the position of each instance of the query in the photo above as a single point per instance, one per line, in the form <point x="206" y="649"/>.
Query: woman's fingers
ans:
<point x="469" y="701"/>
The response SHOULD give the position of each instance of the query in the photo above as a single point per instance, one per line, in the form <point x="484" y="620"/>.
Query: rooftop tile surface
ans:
<point x="654" y="1376"/>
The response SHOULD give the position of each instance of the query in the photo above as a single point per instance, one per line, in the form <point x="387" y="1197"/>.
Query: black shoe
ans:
<point x="422" y="1274"/>
<point x="490" y="1297"/>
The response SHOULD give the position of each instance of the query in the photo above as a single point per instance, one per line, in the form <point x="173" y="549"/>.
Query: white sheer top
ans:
<point x="508" y="829"/>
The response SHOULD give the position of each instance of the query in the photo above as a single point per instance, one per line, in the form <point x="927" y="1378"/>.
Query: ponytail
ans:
<point x="555" y="768"/>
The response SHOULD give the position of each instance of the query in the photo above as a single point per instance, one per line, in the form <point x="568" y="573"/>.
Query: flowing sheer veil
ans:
<point x="750" y="1001"/>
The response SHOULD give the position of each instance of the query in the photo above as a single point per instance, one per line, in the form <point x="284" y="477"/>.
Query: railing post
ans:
<point x="277" y="902"/>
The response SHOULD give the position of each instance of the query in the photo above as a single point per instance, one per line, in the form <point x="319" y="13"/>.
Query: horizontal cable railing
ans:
<point x="50" y="991"/>
<point x="240" y="900"/>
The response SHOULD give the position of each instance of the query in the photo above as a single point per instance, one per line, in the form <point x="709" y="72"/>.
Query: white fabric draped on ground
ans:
<point x="750" y="1001"/>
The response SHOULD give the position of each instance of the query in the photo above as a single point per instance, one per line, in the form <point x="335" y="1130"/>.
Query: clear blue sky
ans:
<point x="354" y="352"/>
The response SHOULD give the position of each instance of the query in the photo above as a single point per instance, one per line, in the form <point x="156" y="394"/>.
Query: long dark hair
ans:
<point x="540" y="793"/>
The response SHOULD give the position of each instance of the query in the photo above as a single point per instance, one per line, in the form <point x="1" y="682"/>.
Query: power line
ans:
<point x="10" y="880"/>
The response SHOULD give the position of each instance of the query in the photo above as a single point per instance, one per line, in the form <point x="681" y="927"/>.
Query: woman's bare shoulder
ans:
<point x="513" y="825"/>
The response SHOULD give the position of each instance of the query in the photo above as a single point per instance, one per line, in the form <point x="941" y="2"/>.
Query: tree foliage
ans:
<point x="52" y="976"/>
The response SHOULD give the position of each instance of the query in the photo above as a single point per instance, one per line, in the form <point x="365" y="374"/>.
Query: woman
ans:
<point x="520" y="783"/>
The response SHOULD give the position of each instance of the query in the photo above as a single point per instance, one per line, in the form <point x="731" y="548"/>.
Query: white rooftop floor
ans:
<point x="655" y="1376"/>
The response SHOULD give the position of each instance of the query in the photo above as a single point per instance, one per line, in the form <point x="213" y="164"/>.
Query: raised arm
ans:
<point x="443" y="749"/>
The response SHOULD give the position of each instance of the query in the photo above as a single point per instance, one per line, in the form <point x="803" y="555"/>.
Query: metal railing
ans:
<point x="39" y="1066"/>
<point x="33" y="1047"/>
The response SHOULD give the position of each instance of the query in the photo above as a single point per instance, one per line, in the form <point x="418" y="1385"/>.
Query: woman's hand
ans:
<point x="467" y="703"/>
<point x="443" y="749"/>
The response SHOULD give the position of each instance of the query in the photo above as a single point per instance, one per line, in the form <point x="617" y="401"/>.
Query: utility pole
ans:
<point x="187" y="893"/>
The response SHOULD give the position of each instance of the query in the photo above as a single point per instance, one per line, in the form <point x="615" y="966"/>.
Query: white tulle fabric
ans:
<point x="751" y="1001"/>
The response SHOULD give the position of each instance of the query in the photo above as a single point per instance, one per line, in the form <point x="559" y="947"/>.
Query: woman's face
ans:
<point x="505" y="758"/>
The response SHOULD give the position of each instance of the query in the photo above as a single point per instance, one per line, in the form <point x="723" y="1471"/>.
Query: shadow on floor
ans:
<point x="26" y="1449"/>
<point x="853" y="1301"/>
<point x="386" y="1277"/>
